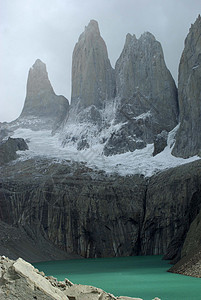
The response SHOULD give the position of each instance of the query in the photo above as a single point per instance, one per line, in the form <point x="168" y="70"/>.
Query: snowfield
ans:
<point x="42" y="143"/>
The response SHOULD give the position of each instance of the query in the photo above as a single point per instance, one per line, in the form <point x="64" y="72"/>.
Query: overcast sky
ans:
<point x="49" y="29"/>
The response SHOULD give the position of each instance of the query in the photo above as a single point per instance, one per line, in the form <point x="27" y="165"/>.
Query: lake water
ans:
<point x="136" y="276"/>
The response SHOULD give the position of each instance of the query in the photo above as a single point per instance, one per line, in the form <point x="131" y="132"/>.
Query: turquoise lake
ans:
<point x="137" y="276"/>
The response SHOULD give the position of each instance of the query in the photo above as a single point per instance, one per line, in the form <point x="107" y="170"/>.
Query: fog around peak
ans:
<point x="48" y="30"/>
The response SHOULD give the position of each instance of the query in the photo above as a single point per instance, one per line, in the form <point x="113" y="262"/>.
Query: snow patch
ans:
<point x="44" y="144"/>
<point x="143" y="116"/>
<point x="195" y="67"/>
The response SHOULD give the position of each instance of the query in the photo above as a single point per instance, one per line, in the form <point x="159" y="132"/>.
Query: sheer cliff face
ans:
<point x="41" y="100"/>
<point x="144" y="81"/>
<point x="188" y="142"/>
<point x="94" y="215"/>
<point x="92" y="75"/>
<point x="147" y="92"/>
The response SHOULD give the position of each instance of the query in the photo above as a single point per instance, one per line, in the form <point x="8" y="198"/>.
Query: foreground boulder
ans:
<point x="20" y="280"/>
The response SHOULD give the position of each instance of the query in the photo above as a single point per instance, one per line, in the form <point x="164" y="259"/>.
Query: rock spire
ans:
<point x="147" y="92"/>
<point x="93" y="78"/>
<point x="141" y="69"/>
<point x="41" y="100"/>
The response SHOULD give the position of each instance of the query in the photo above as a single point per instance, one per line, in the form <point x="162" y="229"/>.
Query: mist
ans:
<point x="49" y="30"/>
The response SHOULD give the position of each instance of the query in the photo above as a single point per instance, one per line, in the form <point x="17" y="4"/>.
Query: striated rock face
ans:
<point x="77" y="209"/>
<point x="193" y="238"/>
<point x="141" y="96"/>
<point x="144" y="81"/>
<point x="93" y="79"/>
<point x="169" y="213"/>
<point x="91" y="214"/>
<point x="190" y="264"/>
<point x="188" y="141"/>
<point x="147" y="92"/>
<point x="41" y="100"/>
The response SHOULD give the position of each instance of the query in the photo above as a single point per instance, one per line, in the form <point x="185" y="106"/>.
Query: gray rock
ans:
<point x="193" y="237"/>
<point x="4" y="131"/>
<point x="172" y="202"/>
<point x="9" y="147"/>
<point x="127" y="139"/>
<point x="93" y="78"/>
<point x="190" y="262"/>
<point x="160" y="142"/>
<point x="148" y="95"/>
<point x="41" y="101"/>
<point x="82" y="144"/>
<point x="188" y="139"/>
<point x="91" y="214"/>
<point x="145" y="83"/>
<point x="28" y="243"/>
<point x="79" y="210"/>
<point x="20" y="280"/>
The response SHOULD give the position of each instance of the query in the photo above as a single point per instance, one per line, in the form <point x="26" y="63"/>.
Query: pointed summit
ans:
<point x="93" y="27"/>
<point x="41" y="100"/>
<point x="38" y="81"/>
<point x="141" y="72"/>
<point x="92" y="75"/>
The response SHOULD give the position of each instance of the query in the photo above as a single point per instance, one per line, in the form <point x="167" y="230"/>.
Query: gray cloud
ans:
<point x="49" y="29"/>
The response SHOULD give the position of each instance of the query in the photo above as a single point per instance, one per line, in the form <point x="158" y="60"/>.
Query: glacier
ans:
<point x="44" y="144"/>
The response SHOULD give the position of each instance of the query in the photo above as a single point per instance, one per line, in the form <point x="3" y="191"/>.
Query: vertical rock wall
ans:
<point x="144" y="81"/>
<point x="94" y="215"/>
<point x="188" y="140"/>
<point x="41" y="100"/>
<point x="93" y="78"/>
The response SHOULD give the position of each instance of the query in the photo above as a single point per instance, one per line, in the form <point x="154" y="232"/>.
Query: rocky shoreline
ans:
<point x="189" y="265"/>
<point x="20" y="280"/>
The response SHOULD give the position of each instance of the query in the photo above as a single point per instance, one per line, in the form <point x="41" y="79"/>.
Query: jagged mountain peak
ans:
<point x="91" y="31"/>
<point x="92" y="27"/>
<point x="38" y="63"/>
<point x="92" y="75"/>
<point x="147" y="36"/>
<point x="38" y="80"/>
<point x="41" y="101"/>
<point x="197" y="22"/>
<point x="130" y="38"/>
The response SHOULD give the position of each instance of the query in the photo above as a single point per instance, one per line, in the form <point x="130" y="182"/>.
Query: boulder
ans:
<point x="20" y="280"/>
